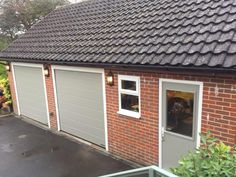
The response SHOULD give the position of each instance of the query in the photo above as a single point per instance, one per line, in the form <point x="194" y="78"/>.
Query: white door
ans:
<point x="31" y="91"/>
<point x="180" y="117"/>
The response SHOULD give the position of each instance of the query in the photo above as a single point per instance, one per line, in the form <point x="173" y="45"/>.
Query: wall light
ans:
<point x="8" y="67"/>
<point x="46" y="71"/>
<point x="110" y="79"/>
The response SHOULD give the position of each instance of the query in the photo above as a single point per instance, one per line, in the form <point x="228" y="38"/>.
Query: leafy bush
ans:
<point x="3" y="72"/>
<point x="212" y="159"/>
<point x="4" y="84"/>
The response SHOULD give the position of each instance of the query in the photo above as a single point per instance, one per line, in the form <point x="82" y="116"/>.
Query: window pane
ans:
<point x="180" y="107"/>
<point x="129" y="102"/>
<point x="129" y="85"/>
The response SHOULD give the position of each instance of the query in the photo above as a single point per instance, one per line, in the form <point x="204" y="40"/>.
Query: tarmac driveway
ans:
<point x="29" y="151"/>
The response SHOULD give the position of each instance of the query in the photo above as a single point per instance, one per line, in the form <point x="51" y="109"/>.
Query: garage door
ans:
<point x="80" y="104"/>
<point x="31" y="93"/>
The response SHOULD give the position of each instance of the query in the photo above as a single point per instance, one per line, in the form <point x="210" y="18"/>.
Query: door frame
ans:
<point x="16" y="90"/>
<point x="199" y="105"/>
<point x="88" y="70"/>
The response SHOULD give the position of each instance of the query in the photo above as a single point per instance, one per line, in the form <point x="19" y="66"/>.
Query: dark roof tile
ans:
<point x="213" y="37"/>
<point x="157" y="59"/>
<point x="217" y="60"/>
<point x="190" y="59"/>
<point x="229" y="61"/>
<point x="166" y="32"/>
<point x="207" y="48"/>
<point x="196" y="48"/>
<point x="222" y="47"/>
<point x="166" y="59"/>
<point x="174" y="48"/>
<point x="147" y="59"/>
<point x="201" y="37"/>
<point x="232" y="48"/>
<point x="203" y="59"/>
<point x="178" y="59"/>
<point x="229" y="26"/>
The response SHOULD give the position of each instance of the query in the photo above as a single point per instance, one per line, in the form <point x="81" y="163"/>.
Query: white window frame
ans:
<point x="129" y="92"/>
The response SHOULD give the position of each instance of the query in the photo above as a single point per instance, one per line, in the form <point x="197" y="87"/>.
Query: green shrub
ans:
<point x="4" y="84"/>
<point x="212" y="159"/>
<point x="3" y="72"/>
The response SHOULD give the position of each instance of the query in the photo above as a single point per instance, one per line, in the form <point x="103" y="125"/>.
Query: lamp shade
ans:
<point x="46" y="71"/>
<point x="110" y="79"/>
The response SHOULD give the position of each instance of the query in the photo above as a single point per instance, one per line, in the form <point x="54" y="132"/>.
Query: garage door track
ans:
<point x="29" y="151"/>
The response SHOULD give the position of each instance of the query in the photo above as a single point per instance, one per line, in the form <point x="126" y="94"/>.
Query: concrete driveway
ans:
<point x="29" y="151"/>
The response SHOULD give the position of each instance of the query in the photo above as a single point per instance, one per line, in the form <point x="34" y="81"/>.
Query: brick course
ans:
<point x="13" y="93"/>
<point x="51" y="100"/>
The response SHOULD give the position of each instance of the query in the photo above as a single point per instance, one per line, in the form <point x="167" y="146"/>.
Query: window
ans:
<point x="180" y="111"/>
<point x="129" y="96"/>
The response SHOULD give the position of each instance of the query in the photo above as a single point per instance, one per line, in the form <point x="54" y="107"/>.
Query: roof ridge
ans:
<point x="173" y="13"/>
<point x="156" y="28"/>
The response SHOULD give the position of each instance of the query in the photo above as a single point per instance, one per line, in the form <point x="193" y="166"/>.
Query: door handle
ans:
<point x="162" y="133"/>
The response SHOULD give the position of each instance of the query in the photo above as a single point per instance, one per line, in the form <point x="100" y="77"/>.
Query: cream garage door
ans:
<point x="31" y="93"/>
<point x="80" y="104"/>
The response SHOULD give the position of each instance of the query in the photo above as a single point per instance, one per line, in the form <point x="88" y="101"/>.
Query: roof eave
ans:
<point x="177" y="68"/>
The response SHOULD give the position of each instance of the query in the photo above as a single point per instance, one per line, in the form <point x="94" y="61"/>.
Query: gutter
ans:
<point x="177" y="68"/>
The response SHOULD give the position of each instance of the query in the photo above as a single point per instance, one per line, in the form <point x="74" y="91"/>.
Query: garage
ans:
<point x="80" y="103"/>
<point x="31" y="93"/>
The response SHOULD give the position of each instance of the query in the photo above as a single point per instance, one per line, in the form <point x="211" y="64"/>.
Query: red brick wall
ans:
<point x="13" y="93"/>
<point x="137" y="139"/>
<point x="51" y="100"/>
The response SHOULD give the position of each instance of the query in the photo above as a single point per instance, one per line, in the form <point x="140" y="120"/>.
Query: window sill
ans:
<point x="129" y="114"/>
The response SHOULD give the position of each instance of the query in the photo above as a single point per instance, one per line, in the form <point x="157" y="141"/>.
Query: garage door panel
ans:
<point x="84" y="133"/>
<point x="30" y="90"/>
<point x="89" y="105"/>
<point x="87" y="112"/>
<point x="83" y="128"/>
<point x="80" y="104"/>
<point x="83" y="120"/>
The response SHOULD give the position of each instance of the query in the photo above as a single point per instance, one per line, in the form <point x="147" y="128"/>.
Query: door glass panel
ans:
<point x="180" y="109"/>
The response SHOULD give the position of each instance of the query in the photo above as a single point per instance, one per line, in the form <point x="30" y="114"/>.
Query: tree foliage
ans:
<point x="212" y="159"/>
<point x="4" y="41"/>
<point x="4" y="85"/>
<point x="17" y="16"/>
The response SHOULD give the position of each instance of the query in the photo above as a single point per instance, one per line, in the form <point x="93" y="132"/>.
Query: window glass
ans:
<point x="130" y="102"/>
<point x="128" y="85"/>
<point x="180" y="108"/>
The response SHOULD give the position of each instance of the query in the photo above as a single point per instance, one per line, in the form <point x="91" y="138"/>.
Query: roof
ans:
<point x="136" y="32"/>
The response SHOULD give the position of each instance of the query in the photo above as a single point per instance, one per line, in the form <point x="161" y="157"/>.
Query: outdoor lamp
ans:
<point x="110" y="79"/>
<point x="46" y="71"/>
<point x="8" y="67"/>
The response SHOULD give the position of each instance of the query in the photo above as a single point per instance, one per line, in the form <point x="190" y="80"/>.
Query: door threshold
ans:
<point x="33" y="122"/>
<point x="80" y="140"/>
